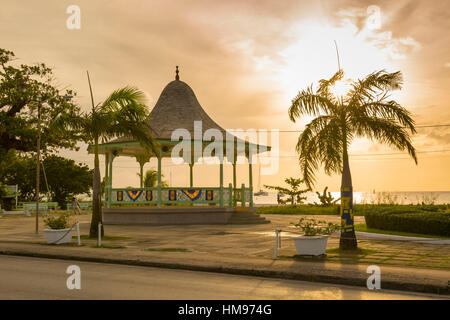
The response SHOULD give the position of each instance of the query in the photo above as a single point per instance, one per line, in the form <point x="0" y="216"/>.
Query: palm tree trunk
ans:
<point x="348" y="237"/>
<point x="96" y="198"/>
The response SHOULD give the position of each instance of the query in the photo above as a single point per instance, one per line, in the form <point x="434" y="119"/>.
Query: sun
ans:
<point x="341" y="88"/>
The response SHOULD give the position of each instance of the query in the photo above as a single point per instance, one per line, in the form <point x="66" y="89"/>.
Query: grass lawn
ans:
<point x="303" y="209"/>
<point x="363" y="228"/>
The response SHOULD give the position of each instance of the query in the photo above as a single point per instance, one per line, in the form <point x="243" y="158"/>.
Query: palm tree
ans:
<point x="364" y="111"/>
<point x="123" y="113"/>
<point x="151" y="179"/>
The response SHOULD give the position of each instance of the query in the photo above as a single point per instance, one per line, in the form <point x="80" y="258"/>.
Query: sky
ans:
<point x="246" y="61"/>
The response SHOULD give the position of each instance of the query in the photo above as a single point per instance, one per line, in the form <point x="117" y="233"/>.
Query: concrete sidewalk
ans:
<point x="243" y="249"/>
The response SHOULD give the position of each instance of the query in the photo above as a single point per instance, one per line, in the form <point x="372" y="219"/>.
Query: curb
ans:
<point x="266" y="273"/>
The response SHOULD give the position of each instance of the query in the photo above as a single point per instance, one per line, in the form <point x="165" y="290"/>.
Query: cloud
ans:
<point x="369" y="22"/>
<point x="440" y="137"/>
<point x="395" y="48"/>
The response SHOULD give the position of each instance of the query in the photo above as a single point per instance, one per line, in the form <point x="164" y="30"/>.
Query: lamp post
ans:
<point x="38" y="157"/>
<point x="38" y="161"/>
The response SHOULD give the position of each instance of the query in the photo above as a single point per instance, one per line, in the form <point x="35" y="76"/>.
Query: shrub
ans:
<point x="312" y="227"/>
<point x="326" y="199"/>
<point x="409" y="219"/>
<point x="57" y="223"/>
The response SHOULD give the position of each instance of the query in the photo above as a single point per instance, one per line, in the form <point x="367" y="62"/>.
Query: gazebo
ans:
<point x="178" y="109"/>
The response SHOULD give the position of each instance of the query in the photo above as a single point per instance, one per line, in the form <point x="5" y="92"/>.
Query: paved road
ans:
<point x="35" y="278"/>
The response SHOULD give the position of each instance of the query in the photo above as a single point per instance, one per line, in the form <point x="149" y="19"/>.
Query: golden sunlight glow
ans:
<point x="312" y="56"/>
<point x="341" y="88"/>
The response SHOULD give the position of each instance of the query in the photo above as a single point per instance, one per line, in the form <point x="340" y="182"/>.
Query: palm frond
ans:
<point x="123" y="97"/>
<point x="319" y="143"/>
<point x="309" y="103"/>
<point x="378" y="82"/>
<point x="384" y="131"/>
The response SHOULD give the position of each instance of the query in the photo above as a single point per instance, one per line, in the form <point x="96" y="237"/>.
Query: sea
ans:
<point x="387" y="197"/>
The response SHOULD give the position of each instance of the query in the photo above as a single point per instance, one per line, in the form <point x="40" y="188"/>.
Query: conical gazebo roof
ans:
<point x="176" y="108"/>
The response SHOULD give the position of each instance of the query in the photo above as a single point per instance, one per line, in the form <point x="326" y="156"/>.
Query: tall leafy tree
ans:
<point x="365" y="110"/>
<point x="66" y="178"/>
<point x="20" y="170"/>
<point x="22" y="88"/>
<point x="63" y="178"/>
<point x="122" y="113"/>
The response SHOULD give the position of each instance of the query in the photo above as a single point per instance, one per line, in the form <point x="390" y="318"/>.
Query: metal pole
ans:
<point x="38" y="160"/>
<point x="277" y="242"/>
<point x="276" y="245"/>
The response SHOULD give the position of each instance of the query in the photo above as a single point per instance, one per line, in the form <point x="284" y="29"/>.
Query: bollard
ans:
<point x="78" y="233"/>
<point x="99" y="241"/>
<point x="277" y="242"/>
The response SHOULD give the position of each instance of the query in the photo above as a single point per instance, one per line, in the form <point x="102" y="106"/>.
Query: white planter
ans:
<point x="53" y="236"/>
<point x="311" y="245"/>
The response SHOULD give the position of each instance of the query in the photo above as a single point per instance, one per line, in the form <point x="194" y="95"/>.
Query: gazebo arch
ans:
<point x="178" y="108"/>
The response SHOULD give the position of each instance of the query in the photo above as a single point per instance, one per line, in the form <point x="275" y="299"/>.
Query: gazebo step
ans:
<point x="242" y="216"/>
<point x="166" y="216"/>
<point x="248" y="222"/>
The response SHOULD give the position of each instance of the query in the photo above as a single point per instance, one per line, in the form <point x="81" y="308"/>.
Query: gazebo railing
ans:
<point x="181" y="195"/>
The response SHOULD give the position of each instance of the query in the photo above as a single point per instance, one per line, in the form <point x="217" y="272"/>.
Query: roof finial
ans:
<point x="177" y="77"/>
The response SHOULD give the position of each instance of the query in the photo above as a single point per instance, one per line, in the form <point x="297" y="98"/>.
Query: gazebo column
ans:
<point x="110" y="175"/>
<point x="141" y="174"/>
<point x="106" y="178"/>
<point x="234" y="183"/>
<point x="221" y="183"/>
<point x="191" y="175"/>
<point x="159" y="182"/>
<point x="250" y="182"/>
<point x="191" y="165"/>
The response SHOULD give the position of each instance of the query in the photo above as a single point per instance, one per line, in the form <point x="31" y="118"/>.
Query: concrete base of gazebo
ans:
<point x="167" y="216"/>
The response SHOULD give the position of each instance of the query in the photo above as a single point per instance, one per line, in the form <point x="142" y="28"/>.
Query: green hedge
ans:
<point x="409" y="219"/>
<point x="359" y="210"/>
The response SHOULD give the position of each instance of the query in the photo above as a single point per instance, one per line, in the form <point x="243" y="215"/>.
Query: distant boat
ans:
<point x="261" y="193"/>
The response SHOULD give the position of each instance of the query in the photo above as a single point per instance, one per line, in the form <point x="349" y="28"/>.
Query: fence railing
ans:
<point x="226" y="196"/>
